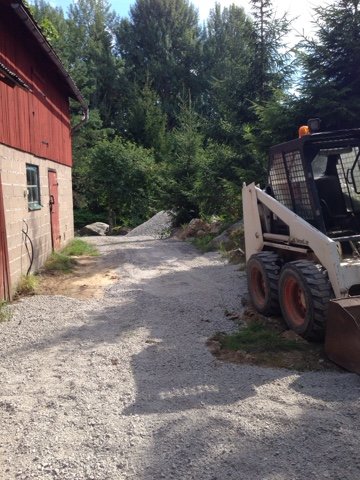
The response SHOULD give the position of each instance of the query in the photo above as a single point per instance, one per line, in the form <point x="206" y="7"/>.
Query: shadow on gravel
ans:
<point x="179" y="309"/>
<point x="312" y="444"/>
<point x="332" y="387"/>
<point x="278" y="439"/>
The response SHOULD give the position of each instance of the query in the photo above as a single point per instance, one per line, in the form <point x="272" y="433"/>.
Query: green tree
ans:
<point x="180" y="171"/>
<point x="52" y="23"/>
<point x="331" y="62"/>
<point x="270" y="64"/>
<point x="226" y="70"/>
<point x="123" y="180"/>
<point x="146" y="121"/>
<point x="90" y="57"/>
<point x="218" y="182"/>
<point x="84" y="140"/>
<point x="160" y="44"/>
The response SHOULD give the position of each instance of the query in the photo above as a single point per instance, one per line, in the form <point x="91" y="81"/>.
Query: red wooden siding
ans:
<point x="35" y="121"/>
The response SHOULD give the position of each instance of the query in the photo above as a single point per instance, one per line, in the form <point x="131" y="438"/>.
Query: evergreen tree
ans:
<point x="270" y="63"/>
<point x="332" y="67"/>
<point x="160" y="44"/>
<point x="228" y="86"/>
<point x="146" y="121"/>
<point x="90" y="56"/>
<point x="181" y="170"/>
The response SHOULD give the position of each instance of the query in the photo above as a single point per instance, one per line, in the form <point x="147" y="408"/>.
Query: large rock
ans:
<point x="97" y="228"/>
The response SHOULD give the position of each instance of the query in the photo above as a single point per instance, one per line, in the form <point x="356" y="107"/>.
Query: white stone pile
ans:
<point x="157" y="226"/>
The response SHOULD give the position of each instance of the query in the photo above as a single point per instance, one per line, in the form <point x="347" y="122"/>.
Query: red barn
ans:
<point x="36" y="211"/>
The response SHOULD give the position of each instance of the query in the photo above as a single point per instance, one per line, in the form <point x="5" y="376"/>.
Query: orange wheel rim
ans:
<point x="294" y="301"/>
<point x="258" y="286"/>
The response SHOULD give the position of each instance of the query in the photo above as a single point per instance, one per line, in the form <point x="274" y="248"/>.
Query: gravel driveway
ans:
<point x="125" y="388"/>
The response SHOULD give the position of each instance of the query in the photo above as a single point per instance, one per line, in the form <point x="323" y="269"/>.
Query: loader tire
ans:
<point x="304" y="293"/>
<point x="263" y="275"/>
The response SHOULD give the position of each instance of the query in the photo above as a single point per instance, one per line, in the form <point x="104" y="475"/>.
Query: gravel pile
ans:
<point x="125" y="388"/>
<point x="157" y="226"/>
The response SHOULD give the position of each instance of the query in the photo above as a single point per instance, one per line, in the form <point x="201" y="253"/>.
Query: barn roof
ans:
<point x="26" y="17"/>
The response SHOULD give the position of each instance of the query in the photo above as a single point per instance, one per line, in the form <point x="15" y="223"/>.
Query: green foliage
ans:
<point x="186" y="155"/>
<point x="256" y="337"/>
<point x="59" y="263"/>
<point x="160" y="43"/>
<point x="226" y="72"/>
<point x="332" y="66"/>
<point x="270" y="66"/>
<point x="124" y="179"/>
<point x="147" y="121"/>
<point x="181" y="115"/>
<point x="218" y="182"/>
<point x="84" y="140"/>
<point x="204" y="243"/>
<point x="27" y="285"/>
<point x="78" y="247"/>
<point x="83" y="216"/>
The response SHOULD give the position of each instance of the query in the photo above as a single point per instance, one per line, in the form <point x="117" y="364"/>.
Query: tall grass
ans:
<point x="63" y="262"/>
<point x="27" y="285"/>
<point x="78" y="247"/>
<point x="58" y="262"/>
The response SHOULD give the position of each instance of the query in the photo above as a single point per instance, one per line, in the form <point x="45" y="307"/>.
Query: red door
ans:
<point x="54" y="210"/>
<point x="5" y="293"/>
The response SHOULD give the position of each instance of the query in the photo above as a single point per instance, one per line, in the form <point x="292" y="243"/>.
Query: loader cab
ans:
<point x="318" y="177"/>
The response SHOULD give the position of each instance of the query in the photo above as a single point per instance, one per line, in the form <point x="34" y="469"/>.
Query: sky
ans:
<point x="300" y="9"/>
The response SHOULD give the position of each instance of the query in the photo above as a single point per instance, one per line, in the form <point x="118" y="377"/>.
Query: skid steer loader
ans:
<point x="302" y="239"/>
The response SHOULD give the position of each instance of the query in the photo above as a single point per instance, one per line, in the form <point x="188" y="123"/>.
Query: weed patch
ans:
<point x="27" y="285"/>
<point x="256" y="337"/>
<point x="58" y="262"/>
<point x="62" y="262"/>
<point x="204" y="243"/>
<point x="77" y="248"/>
<point x="266" y="342"/>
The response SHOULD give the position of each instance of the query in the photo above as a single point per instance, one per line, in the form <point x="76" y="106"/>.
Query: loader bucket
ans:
<point x="342" y="340"/>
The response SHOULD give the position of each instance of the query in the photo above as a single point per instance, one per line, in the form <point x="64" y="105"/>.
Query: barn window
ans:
<point x="33" y="186"/>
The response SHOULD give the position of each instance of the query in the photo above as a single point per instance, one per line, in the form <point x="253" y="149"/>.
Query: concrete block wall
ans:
<point x="13" y="174"/>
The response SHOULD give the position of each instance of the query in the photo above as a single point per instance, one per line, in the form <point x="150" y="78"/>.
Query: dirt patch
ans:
<point x="87" y="280"/>
<point x="309" y="357"/>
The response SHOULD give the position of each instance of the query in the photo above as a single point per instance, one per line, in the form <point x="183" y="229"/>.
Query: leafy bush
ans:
<point x="123" y="180"/>
<point x="84" y="216"/>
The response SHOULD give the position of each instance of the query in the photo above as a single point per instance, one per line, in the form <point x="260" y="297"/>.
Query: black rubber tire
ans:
<point x="263" y="275"/>
<point x="304" y="293"/>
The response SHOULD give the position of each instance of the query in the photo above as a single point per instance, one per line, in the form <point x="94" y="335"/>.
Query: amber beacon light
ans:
<point x="304" y="130"/>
